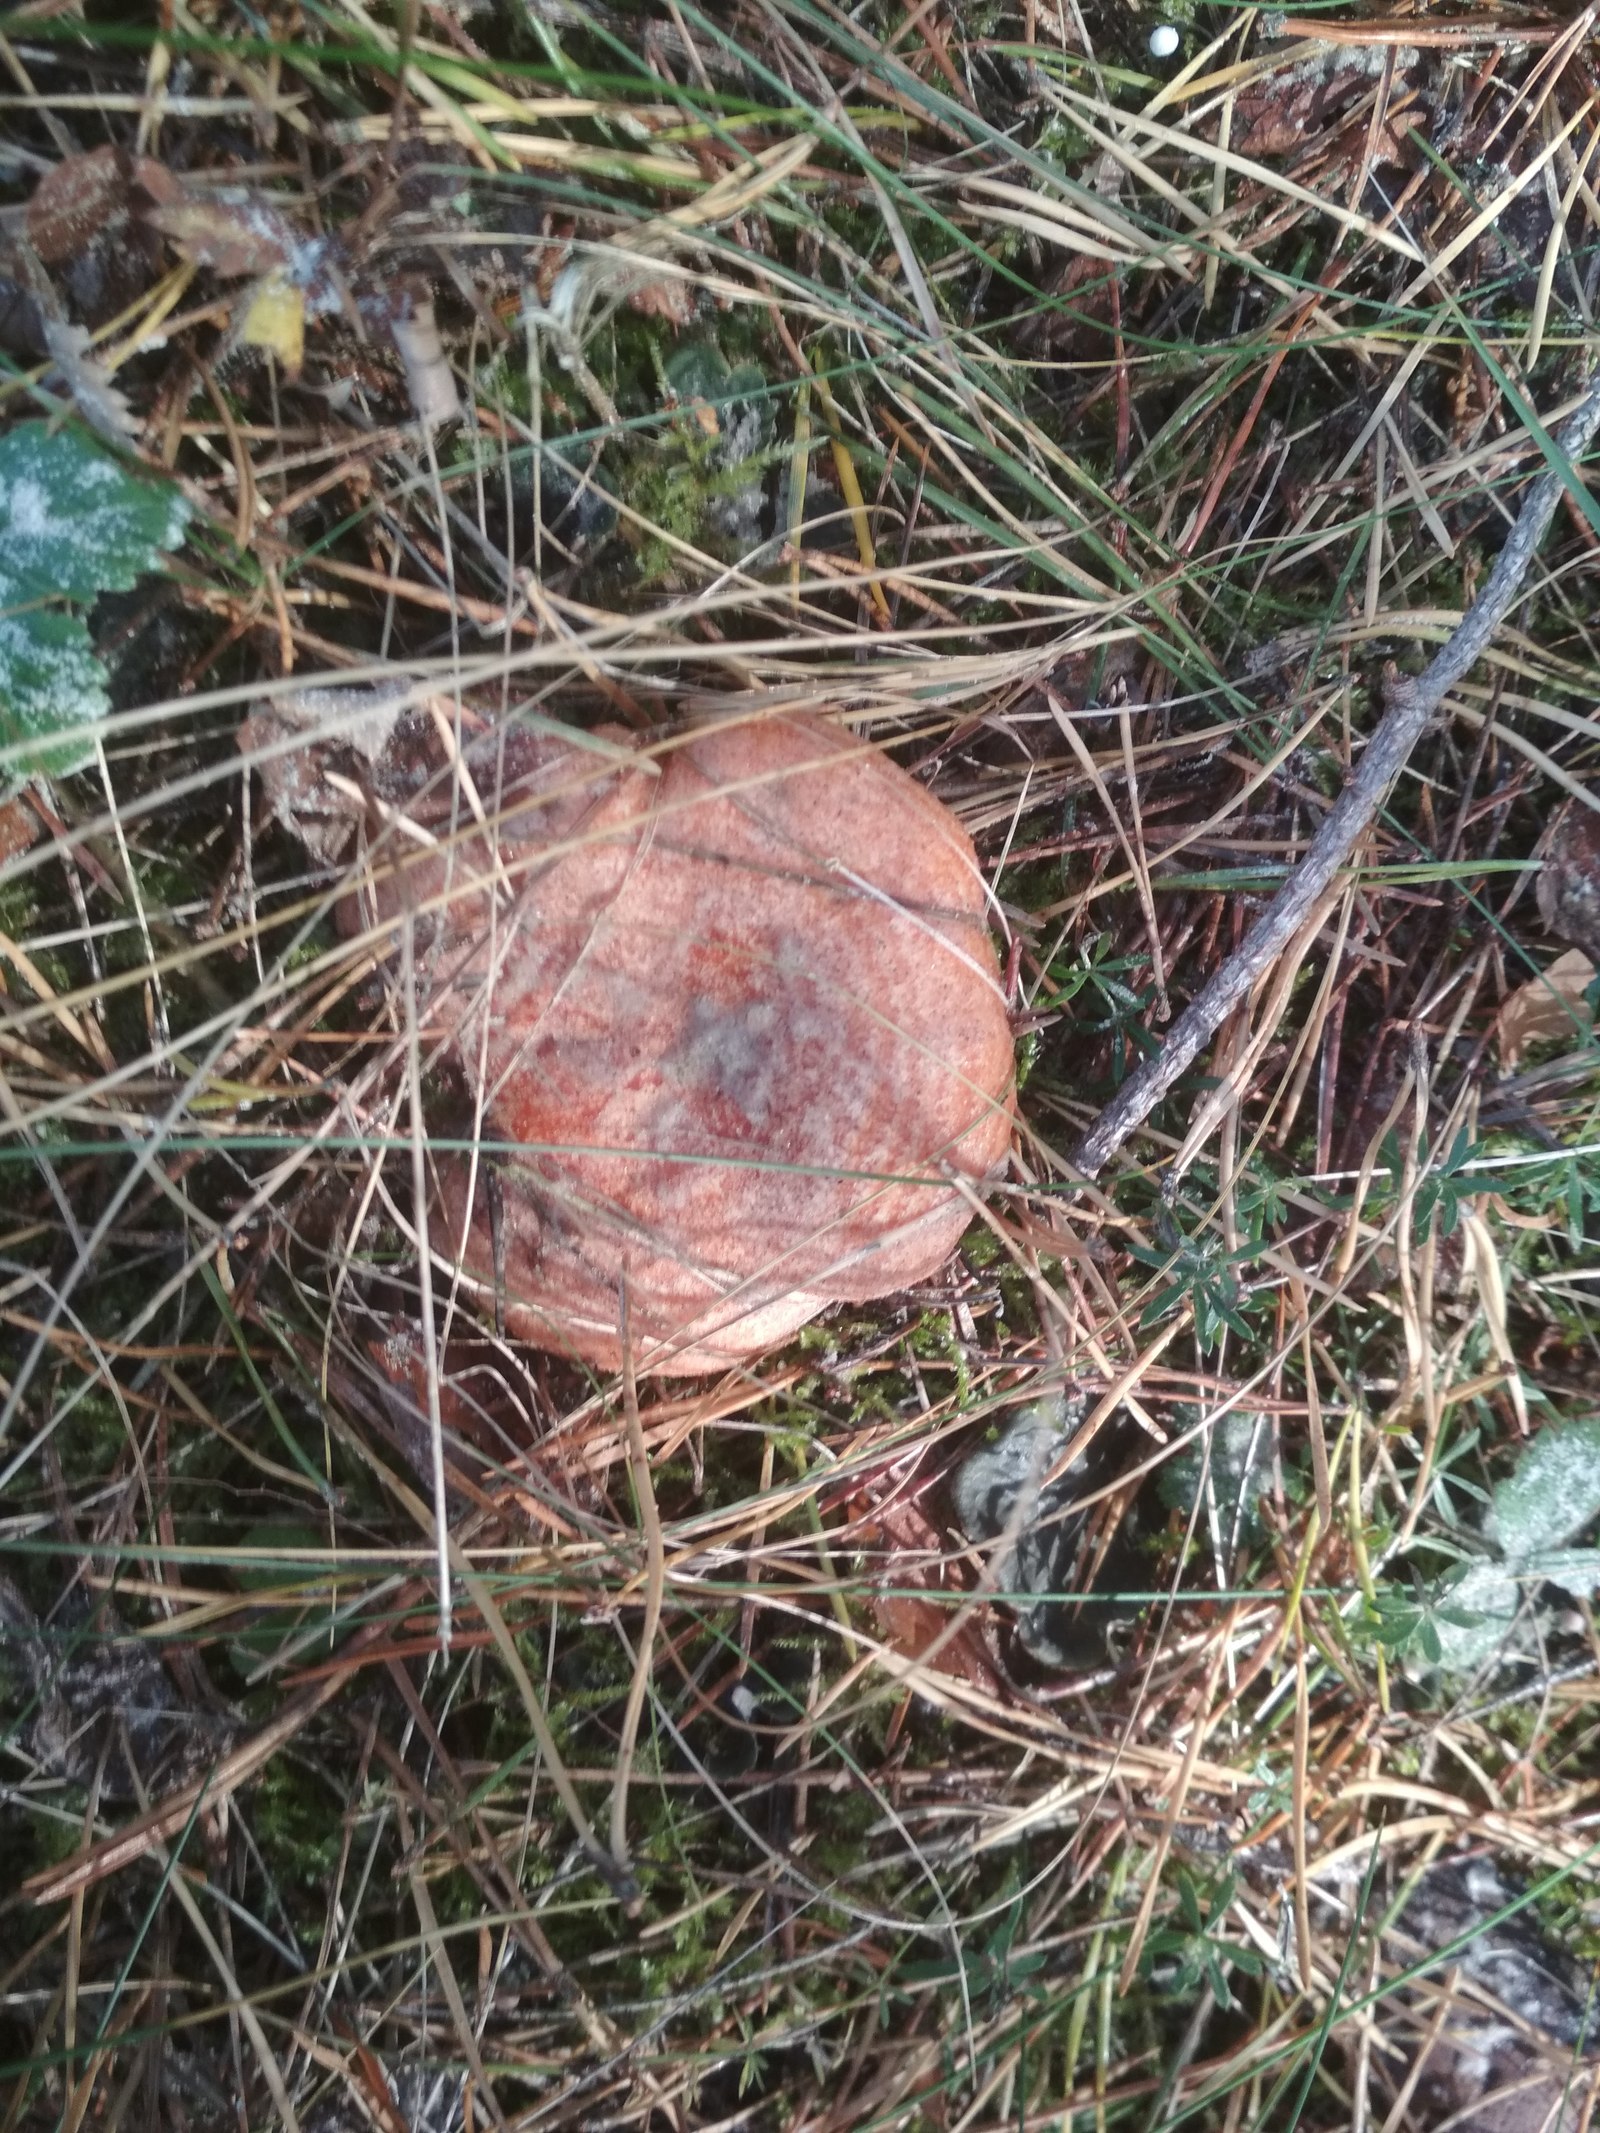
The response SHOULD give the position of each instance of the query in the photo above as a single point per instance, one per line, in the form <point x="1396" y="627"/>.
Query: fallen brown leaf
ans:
<point x="1304" y="103"/>
<point x="234" y="234"/>
<point x="19" y="828"/>
<point x="1547" y="1009"/>
<point x="84" y="194"/>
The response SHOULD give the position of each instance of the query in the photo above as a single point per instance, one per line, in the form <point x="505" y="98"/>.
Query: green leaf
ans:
<point x="1477" y="1618"/>
<point x="1575" y="1570"/>
<point x="74" y="523"/>
<point x="50" y="681"/>
<point x="1552" y="1496"/>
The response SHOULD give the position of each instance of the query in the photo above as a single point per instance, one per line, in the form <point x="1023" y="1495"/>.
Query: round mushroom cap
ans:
<point x="733" y="1018"/>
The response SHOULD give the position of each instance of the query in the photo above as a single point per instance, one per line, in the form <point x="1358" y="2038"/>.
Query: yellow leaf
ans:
<point x="275" y="319"/>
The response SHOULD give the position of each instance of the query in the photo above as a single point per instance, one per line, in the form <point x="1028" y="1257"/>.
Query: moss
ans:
<point x="699" y="481"/>
<point x="457" y="1900"/>
<point x="502" y="382"/>
<point x="1028" y="1047"/>
<point x="1059" y="142"/>
<point x="97" y="1439"/>
<point x="1017" y="1305"/>
<point x="839" y="1844"/>
<point x="934" y="1339"/>
<point x="298" y="1823"/>
<point x="685" y="1959"/>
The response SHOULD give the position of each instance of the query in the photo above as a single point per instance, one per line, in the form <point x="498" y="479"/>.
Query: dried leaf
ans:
<point x="914" y="1627"/>
<point x="1569" y="879"/>
<point x="19" y="827"/>
<point x="86" y="194"/>
<point x="274" y="318"/>
<point x="428" y="373"/>
<point x="666" y="297"/>
<point x="234" y="233"/>
<point x="99" y="402"/>
<point x="1548" y="1009"/>
<point x="469" y="1409"/>
<point x="1301" y="104"/>
<point x="917" y="1588"/>
<point x="551" y="257"/>
<point x="285" y="741"/>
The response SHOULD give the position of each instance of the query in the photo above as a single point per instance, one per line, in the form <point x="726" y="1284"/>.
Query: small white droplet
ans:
<point x="1164" y="41"/>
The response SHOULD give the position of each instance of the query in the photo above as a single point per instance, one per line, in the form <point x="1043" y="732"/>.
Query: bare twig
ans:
<point x="1411" y="704"/>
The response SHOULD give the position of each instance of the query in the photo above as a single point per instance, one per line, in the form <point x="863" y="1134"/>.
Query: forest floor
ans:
<point x="1102" y="414"/>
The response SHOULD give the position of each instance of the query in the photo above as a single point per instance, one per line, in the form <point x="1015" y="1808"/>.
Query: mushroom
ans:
<point x="730" y="1016"/>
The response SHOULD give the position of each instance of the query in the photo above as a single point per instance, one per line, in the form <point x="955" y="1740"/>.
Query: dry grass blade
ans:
<point x="654" y="1588"/>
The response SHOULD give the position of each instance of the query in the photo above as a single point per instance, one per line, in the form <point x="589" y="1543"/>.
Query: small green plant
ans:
<point x="1560" y="1182"/>
<point x="1196" y="1945"/>
<point x="1102" y="977"/>
<point x="1263" y="1200"/>
<point x="1200" y="1268"/>
<point x="74" y="523"/>
<point x="1443" y="1186"/>
<point x="1411" y="1621"/>
<point x="994" y="1974"/>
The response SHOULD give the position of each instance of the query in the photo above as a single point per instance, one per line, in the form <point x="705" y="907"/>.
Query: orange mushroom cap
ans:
<point x="734" y="1011"/>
